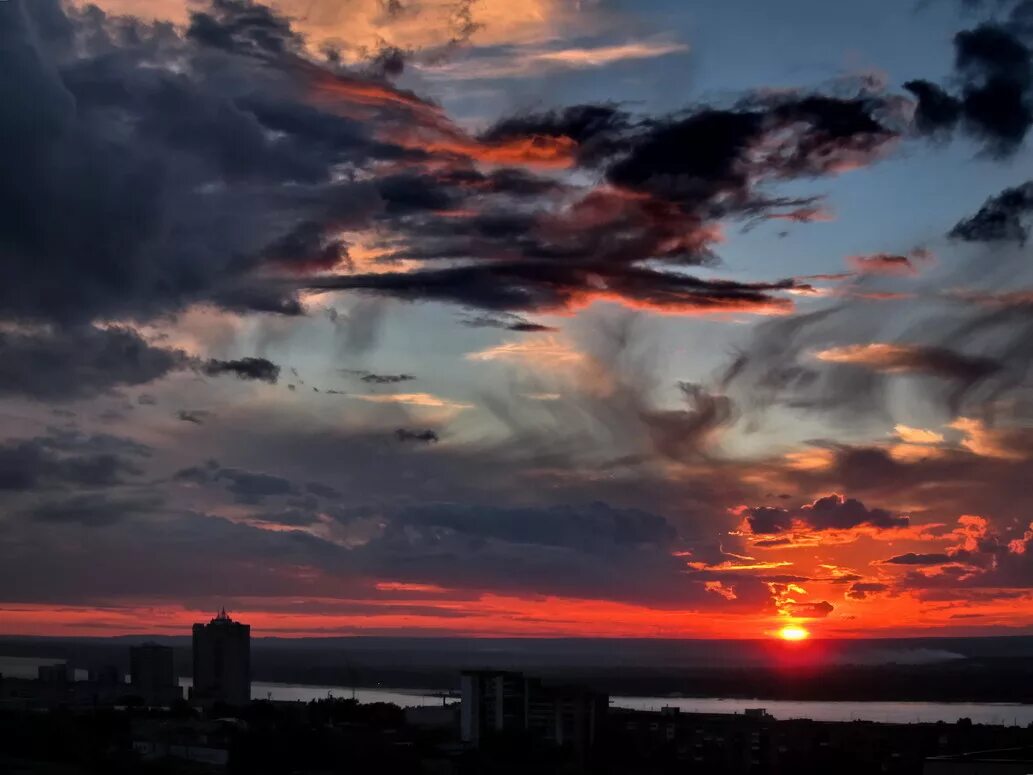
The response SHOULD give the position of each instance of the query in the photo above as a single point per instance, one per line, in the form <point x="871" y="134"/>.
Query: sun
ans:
<point x="793" y="633"/>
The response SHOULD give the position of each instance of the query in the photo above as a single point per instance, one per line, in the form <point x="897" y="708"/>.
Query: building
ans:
<point x="503" y="702"/>
<point x="106" y="675"/>
<point x="152" y="674"/>
<point x="1006" y="761"/>
<point x="494" y="701"/>
<point x="222" y="662"/>
<point x="202" y="743"/>
<point x="55" y="675"/>
<point x="565" y="716"/>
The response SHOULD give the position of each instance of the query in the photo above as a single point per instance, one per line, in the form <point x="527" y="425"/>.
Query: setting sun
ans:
<point x="793" y="633"/>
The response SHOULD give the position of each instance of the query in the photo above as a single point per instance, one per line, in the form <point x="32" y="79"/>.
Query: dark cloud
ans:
<point x="387" y="379"/>
<point x="142" y="145"/>
<point x="508" y="322"/>
<point x="994" y="103"/>
<point x="671" y="179"/>
<point x="62" y="364"/>
<point x="833" y="512"/>
<point x="229" y="139"/>
<point x="193" y="475"/>
<point x="195" y="416"/>
<point x="767" y="520"/>
<point x="587" y="551"/>
<point x="531" y="286"/>
<point x="600" y="131"/>
<point x="251" y="487"/>
<point x="591" y="527"/>
<point x="92" y="510"/>
<point x="242" y="26"/>
<point x="422" y="436"/>
<point x="912" y="558"/>
<point x="810" y="610"/>
<point x="258" y="369"/>
<point x="323" y="490"/>
<point x="862" y="590"/>
<point x="67" y="460"/>
<point x="1002" y="218"/>
<point x="936" y="361"/>
<point x="679" y="433"/>
<point x="711" y="159"/>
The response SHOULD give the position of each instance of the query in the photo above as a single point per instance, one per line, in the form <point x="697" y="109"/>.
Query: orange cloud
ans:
<point x="358" y="28"/>
<point x="426" y="400"/>
<point x="911" y="435"/>
<point x="551" y="350"/>
<point x="535" y="61"/>
<point x="890" y="264"/>
<point x="881" y="357"/>
<point x="983" y="441"/>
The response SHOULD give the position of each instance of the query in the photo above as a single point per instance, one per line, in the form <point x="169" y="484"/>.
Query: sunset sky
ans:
<point x="653" y="318"/>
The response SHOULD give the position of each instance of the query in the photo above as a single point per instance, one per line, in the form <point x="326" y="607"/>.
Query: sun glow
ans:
<point x="793" y="633"/>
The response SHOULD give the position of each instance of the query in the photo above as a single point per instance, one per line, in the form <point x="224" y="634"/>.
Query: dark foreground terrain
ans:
<point x="341" y="736"/>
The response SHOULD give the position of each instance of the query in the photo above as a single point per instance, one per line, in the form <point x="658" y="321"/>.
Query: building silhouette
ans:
<point x="493" y="701"/>
<point x="222" y="662"/>
<point x="152" y="674"/>
<point x="505" y="703"/>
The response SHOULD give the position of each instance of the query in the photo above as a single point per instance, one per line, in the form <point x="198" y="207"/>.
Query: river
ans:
<point x="890" y="712"/>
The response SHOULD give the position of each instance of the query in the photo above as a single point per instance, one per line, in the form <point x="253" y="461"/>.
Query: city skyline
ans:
<point x="516" y="318"/>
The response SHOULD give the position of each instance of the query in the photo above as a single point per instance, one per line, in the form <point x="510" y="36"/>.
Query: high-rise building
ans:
<point x="152" y="674"/>
<point x="222" y="661"/>
<point x="494" y="701"/>
<point x="497" y="702"/>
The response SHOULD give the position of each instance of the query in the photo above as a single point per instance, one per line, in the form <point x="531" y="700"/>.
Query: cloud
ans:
<point x="59" y="461"/>
<point x="257" y="369"/>
<point x="63" y="364"/>
<point x="128" y="126"/>
<point x="863" y="590"/>
<point x="987" y="442"/>
<point x="605" y="55"/>
<point x="911" y="435"/>
<point x="913" y="558"/>
<point x="386" y="379"/>
<point x="251" y="487"/>
<point x="521" y="62"/>
<point x="195" y="416"/>
<point x="423" y="437"/>
<point x="832" y="512"/>
<point x="889" y="264"/>
<point x="994" y="67"/>
<point x="810" y="610"/>
<point x="548" y="350"/>
<point x="425" y="400"/>
<point x="911" y="359"/>
<point x="670" y="180"/>
<point x="680" y="433"/>
<point x="508" y="322"/>
<point x="1000" y="219"/>
<point x="323" y="490"/>
<point x="538" y="286"/>
<point x="92" y="509"/>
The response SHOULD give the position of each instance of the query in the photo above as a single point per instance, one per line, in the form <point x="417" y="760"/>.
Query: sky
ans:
<point x="516" y="317"/>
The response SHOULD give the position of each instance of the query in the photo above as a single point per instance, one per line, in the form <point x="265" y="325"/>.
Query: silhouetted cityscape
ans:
<point x="491" y="720"/>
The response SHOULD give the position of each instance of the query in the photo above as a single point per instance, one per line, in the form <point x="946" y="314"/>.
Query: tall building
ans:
<point x="152" y="674"/>
<point x="493" y="701"/>
<point x="222" y="661"/>
<point x="497" y="702"/>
